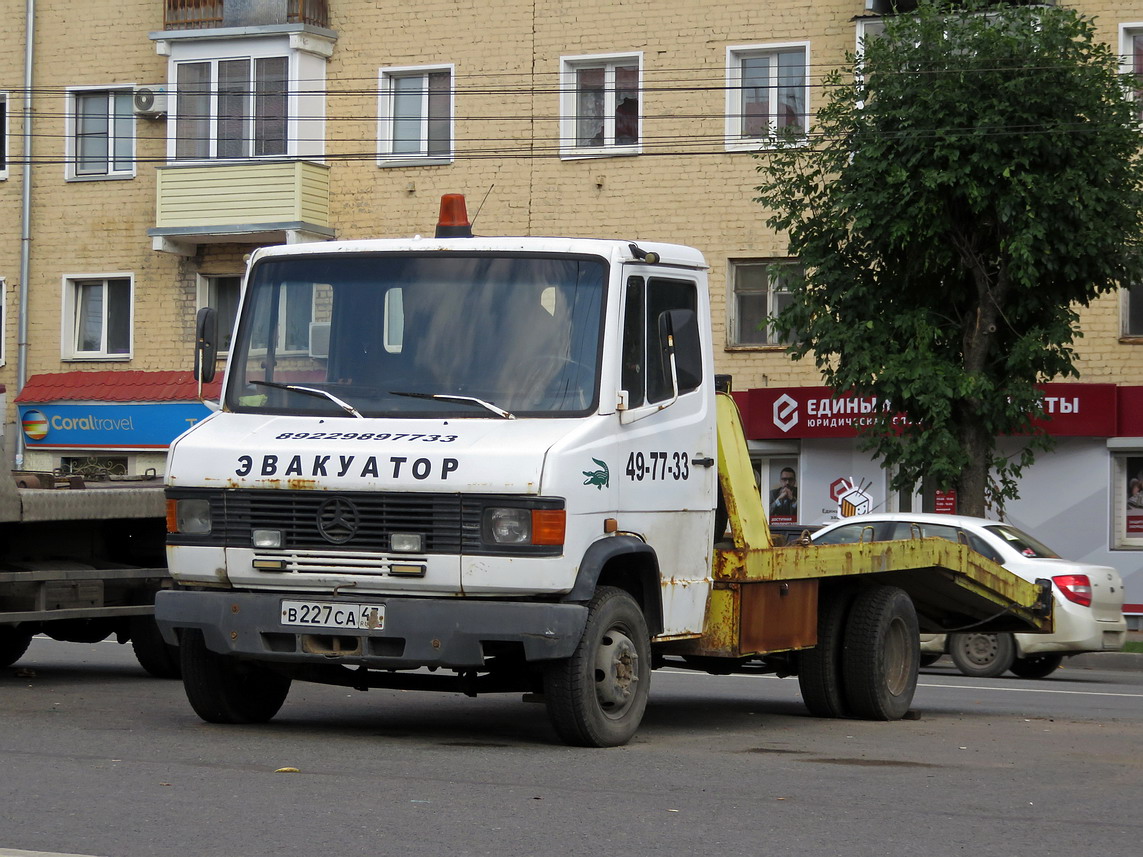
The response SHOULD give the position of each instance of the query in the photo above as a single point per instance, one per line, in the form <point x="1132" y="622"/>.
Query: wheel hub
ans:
<point x="616" y="673"/>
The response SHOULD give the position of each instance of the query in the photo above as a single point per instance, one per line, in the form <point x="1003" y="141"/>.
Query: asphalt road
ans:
<point x="96" y="758"/>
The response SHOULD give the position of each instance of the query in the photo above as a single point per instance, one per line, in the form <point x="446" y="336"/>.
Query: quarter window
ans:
<point x="600" y="109"/>
<point x="767" y="93"/>
<point x="760" y="292"/>
<point x="416" y="109"/>
<point x="222" y="294"/>
<point x="99" y="318"/>
<point x="102" y="138"/>
<point x="232" y="108"/>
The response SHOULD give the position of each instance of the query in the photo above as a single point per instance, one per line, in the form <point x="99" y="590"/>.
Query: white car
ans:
<point x="1088" y="607"/>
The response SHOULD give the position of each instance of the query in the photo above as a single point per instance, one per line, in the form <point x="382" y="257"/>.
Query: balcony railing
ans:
<point x="201" y="14"/>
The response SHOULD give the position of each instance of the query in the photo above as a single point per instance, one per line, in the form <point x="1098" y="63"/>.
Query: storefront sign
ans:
<point x="1071" y="410"/>
<point x="108" y="425"/>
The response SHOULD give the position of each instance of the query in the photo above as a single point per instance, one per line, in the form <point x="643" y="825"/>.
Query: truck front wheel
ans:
<point x="596" y="698"/>
<point x="882" y="654"/>
<point x="222" y="689"/>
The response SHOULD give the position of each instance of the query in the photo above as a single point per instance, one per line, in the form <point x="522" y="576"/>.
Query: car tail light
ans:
<point x="1075" y="588"/>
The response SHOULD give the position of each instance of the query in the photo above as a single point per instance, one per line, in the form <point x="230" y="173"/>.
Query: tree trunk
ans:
<point x="973" y="480"/>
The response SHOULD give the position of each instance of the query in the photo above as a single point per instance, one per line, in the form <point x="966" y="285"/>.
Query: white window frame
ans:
<point x="71" y="124"/>
<point x="387" y="116"/>
<point x="867" y="27"/>
<point x="569" y="91"/>
<point x="69" y="318"/>
<point x="1125" y="298"/>
<point x="735" y="55"/>
<point x="3" y="321"/>
<point x="205" y="284"/>
<point x="733" y="320"/>
<point x="1127" y="34"/>
<point x="5" y="152"/>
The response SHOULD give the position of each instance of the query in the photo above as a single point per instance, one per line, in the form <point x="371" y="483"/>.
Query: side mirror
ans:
<point x="205" y="344"/>
<point x="679" y="333"/>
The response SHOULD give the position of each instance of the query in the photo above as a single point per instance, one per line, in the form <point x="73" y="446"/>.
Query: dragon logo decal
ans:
<point x="599" y="478"/>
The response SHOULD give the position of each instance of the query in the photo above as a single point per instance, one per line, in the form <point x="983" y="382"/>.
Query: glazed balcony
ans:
<point x="247" y="202"/>
<point x="208" y="14"/>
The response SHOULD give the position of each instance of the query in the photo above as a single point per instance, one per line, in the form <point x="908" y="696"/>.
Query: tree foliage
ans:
<point x="971" y="181"/>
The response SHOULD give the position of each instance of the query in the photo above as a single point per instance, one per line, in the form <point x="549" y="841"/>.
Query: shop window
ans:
<point x="416" y="110"/>
<point x="760" y="291"/>
<point x="600" y="105"/>
<point x="101" y="142"/>
<point x="767" y="93"/>
<point x="98" y="318"/>
<point x="1127" y="499"/>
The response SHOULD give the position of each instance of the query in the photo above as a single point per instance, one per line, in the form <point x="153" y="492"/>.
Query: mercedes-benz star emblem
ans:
<point x="337" y="520"/>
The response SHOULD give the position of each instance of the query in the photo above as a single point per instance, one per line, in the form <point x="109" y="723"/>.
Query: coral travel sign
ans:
<point x="1072" y="410"/>
<point x="108" y="425"/>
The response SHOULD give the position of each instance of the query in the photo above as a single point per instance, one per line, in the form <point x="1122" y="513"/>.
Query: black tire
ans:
<point x="929" y="658"/>
<point x="79" y="630"/>
<point x="819" y="668"/>
<point x="13" y="643"/>
<point x="222" y="689"/>
<point x="153" y="653"/>
<point x="1036" y="666"/>
<point x="982" y="655"/>
<point x="596" y="698"/>
<point x="882" y="654"/>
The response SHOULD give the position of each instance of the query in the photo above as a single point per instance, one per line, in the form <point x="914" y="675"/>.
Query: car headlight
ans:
<point x="188" y="516"/>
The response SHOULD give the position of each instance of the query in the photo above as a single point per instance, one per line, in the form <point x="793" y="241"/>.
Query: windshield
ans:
<point x="1021" y="542"/>
<point x="410" y="335"/>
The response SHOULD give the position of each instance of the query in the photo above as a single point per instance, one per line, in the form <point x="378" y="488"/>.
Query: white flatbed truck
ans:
<point x="495" y="465"/>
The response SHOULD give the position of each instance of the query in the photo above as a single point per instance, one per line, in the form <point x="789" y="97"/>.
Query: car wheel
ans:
<point x="14" y="641"/>
<point x="982" y="655"/>
<point x="1036" y="666"/>
<point x="929" y="658"/>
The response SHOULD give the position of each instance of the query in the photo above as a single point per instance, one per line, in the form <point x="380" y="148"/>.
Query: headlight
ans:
<point x="513" y="525"/>
<point x="188" y="516"/>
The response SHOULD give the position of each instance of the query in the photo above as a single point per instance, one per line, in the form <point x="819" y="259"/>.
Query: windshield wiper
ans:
<point x="312" y="391"/>
<point x="448" y="397"/>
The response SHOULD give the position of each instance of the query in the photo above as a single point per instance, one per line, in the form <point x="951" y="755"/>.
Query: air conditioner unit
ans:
<point x="150" y="101"/>
<point x="319" y="339"/>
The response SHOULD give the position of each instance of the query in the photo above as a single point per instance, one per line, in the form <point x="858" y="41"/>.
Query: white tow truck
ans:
<point x="501" y="465"/>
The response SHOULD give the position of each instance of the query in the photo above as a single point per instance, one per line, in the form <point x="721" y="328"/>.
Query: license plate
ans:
<point x="325" y="614"/>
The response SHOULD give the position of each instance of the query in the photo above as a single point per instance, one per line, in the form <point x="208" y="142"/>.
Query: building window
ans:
<point x="98" y="318"/>
<point x="767" y="93"/>
<point x="1131" y="311"/>
<point x="415" y="109"/>
<point x="1131" y="56"/>
<point x="101" y="137"/>
<point x="231" y="108"/>
<point x="221" y="293"/>
<point x="3" y="135"/>
<point x="760" y="291"/>
<point x="3" y="320"/>
<point x="600" y="109"/>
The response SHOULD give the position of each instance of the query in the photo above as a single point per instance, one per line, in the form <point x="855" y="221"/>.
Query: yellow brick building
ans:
<point x="168" y="138"/>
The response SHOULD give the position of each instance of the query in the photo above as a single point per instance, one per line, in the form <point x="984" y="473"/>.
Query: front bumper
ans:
<point x="418" y="632"/>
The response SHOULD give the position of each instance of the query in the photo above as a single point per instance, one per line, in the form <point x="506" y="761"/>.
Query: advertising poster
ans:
<point x="1134" y="527"/>
<point x="782" y="502"/>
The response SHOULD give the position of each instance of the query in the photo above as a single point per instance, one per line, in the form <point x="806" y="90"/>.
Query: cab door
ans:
<point x="666" y="443"/>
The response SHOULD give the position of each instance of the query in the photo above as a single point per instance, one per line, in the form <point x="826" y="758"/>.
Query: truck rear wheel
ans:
<point x="882" y="654"/>
<point x="982" y="655"/>
<point x="596" y="698"/>
<point x="13" y="643"/>
<point x="819" y="668"/>
<point x="222" y="689"/>
<point x="153" y="653"/>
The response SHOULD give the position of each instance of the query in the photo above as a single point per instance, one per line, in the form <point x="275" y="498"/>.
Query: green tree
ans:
<point x="971" y="181"/>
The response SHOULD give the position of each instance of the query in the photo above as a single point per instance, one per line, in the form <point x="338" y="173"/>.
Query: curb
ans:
<point x="1119" y="661"/>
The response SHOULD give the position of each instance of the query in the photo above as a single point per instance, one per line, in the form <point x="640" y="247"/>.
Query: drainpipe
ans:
<point x="25" y="218"/>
